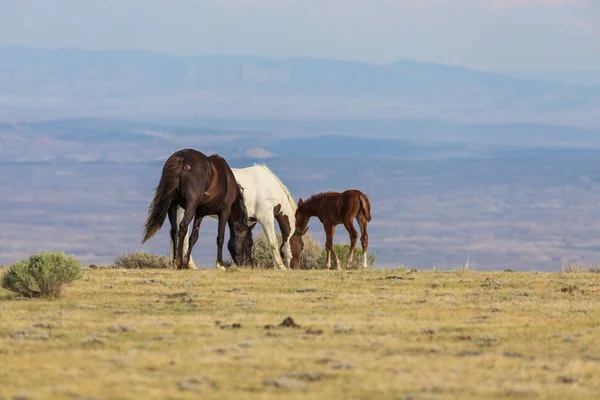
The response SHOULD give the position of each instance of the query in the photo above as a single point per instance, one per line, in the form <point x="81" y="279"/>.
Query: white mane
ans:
<point x="283" y="187"/>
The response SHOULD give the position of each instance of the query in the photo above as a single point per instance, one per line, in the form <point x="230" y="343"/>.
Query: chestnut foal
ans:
<point x="332" y="209"/>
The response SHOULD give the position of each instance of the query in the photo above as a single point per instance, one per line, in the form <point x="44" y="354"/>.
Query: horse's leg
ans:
<point x="188" y="215"/>
<point x="192" y="264"/>
<point x="223" y="217"/>
<point x="193" y="240"/>
<point x="285" y="251"/>
<point x="329" y="232"/>
<point x="174" y="220"/>
<point x="364" y="236"/>
<point x="353" y="236"/>
<point x="268" y="225"/>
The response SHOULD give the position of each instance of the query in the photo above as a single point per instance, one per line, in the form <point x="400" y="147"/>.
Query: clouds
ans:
<point x="490" y="34"/>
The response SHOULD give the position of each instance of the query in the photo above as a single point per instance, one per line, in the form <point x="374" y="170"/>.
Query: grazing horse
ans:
<point x="334" y="208"/>
<point x="202" y="186"/>
<point x="267" y="200"/>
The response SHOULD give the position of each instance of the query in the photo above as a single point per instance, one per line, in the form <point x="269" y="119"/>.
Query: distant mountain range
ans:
<point x="70" y="75"/>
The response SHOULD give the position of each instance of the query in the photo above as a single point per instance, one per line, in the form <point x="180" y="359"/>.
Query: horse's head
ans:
<point x="301" y="217"/>
<point x="297" y="245"/>
<point x="240" y="243"/>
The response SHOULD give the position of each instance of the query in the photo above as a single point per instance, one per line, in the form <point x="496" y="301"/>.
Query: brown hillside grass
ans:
<point x="165" y="334"/>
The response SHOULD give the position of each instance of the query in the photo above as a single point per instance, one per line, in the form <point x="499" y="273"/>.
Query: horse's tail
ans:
<point x="164" y="195"/>
<point x="365" y="205"/>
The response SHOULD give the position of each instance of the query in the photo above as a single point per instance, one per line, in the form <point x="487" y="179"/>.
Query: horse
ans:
<point x="332" y="209"/>
<point x="267" y="200"/>
<point x="201" y="185"/>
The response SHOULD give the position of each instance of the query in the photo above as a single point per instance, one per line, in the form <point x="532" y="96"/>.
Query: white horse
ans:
<point x="267" y="199"/>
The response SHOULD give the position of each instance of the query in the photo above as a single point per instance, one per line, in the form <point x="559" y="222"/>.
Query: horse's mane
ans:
<point x="283" y="187"/>
<point x="242" y="201"/>
<point x="318" y="196"/>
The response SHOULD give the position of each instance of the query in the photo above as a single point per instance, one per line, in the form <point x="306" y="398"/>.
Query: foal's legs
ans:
<point x="329" y="232"/>
<point x="364" y="236"/>
<point x="268" y="225"/>
<point x="353" y="236"/>
<point x="223" y="217"/>
<point x="193" y="239"/>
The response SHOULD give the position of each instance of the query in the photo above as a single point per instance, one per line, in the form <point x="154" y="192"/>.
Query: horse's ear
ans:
<point x="305" y="230"/>
<point x="300" y="202"/>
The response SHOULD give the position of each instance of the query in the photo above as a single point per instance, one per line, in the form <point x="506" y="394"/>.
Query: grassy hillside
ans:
<point x="362" y="334"/>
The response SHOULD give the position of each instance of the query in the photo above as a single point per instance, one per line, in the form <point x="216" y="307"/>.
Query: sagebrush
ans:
<point x="42" y="275"/>
<point x="262" y="252"/>
<point x="142" y="260"/>
<point x="313" y="256"/>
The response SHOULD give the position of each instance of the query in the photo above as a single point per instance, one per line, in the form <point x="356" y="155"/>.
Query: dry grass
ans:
<point x="144" y="334"/>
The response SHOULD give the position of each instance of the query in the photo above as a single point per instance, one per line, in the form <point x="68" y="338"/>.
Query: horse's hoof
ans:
<point x="220" y="267"/>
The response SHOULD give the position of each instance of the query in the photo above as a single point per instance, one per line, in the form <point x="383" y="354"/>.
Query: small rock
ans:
<point x="308" y="376"/>
<point x="223" y="350"/>
<point x="569" y="289"/>
<point x="145" y="282"/>
<point x="324" y="360"/>
<point x="122" y="328"/>
<point x="25" y="334"/>
<point x="92" y="342"/>
<point x="306" y="290"/>
<point x="567" y="379"/>
<point x="108" y="286"/>
<point x="464" y="353"/>
<point x="164" y="338"/>
<point x="46" y="325"/>
<point x="490" y="283"/>
<point x="342" y="329"/>
<point x="311" y="331"/>
<point x="342" y="366"/>
<point x="289" y="322"/>
<point x="286" y="383"/>
<point x="196" y="384"/>
<point x="486" y="341"/>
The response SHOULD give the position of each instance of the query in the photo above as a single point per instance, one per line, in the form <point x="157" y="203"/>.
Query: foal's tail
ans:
<point x="163" y="195"/>
<point x="365" y="205"/>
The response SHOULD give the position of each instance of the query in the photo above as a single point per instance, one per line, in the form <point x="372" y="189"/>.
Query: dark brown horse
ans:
<point x="202" y="186"/>
<point x="332" y="209"/>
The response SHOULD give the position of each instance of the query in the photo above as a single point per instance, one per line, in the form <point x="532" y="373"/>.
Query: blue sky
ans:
<point x="487" y="34"/>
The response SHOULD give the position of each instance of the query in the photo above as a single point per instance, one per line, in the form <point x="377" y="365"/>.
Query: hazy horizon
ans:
<point x="495" y="35"/>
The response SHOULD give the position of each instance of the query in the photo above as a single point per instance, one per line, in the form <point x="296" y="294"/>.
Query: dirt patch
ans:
<point x="570" y="289"/>
<point x="235" y="325"/>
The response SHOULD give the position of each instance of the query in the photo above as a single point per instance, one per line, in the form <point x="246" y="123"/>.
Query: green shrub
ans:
<point x="342" y="250"/>
<point x="42" y="275"/>
<point x="263" y="254"/>
<point x="313" y="255"/>
<point x="142" y="260"/>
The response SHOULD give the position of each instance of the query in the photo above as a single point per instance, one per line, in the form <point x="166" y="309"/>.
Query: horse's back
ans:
<point x="262" y="189"/>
